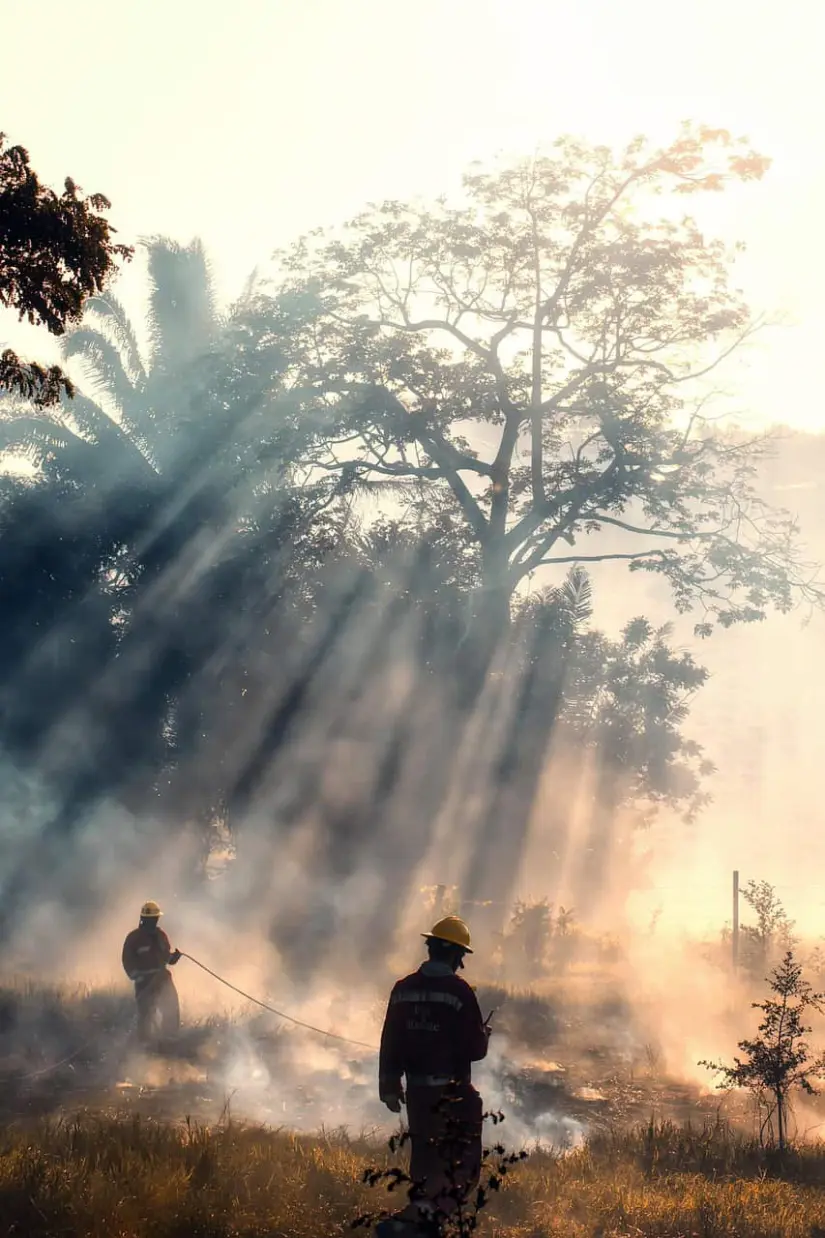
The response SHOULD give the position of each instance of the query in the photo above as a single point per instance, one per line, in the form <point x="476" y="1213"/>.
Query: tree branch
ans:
<point x="489" y="355"/>
<point x="655" y="552"/>
<point x="400" y="470"/>
<point x="439" y="451"/>
<point x="646" y="532"/>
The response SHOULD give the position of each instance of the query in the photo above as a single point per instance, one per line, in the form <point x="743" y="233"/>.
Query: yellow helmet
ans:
<point x="452" y="930"/>
<point x="150" y="910"/>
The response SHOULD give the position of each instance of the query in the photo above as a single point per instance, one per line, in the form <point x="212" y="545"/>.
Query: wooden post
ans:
<point x="735" y="935"/>
<point x="440" y="894"/>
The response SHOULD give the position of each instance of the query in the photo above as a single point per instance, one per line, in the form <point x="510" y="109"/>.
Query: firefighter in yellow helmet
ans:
<point x="433" y="1032"/>
<point x="147" y="957"/>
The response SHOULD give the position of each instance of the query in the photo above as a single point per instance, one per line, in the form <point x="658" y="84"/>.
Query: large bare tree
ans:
<point x="532" y="355"/>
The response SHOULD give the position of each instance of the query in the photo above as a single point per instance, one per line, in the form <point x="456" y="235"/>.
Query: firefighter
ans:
<point x="432" y="1032"/>
<point x="147" y="957"/>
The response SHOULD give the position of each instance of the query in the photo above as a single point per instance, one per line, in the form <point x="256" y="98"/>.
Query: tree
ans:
<point x="55" y="252"/>
<point x="212" y="464"/>
<point x="617" y="706"/>
<point x="531" y="355"/>
<point x="56" y="608"/>
<point x="191" y="546"/>
<point x="111" y="462"/>
<point x="152" y="396"/>
<point x="773" y="927"/>
<point x="134" y="410"/>
<point x="160" y="435"/>
<point x="778" y="1060"/>
<point x="628" y="700"/>
<point x="527" y="940"/>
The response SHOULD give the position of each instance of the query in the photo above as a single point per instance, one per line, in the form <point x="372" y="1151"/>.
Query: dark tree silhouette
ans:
<point x="56" y="250"/>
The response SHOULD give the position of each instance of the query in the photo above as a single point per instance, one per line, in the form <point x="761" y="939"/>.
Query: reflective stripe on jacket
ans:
<point x="433" y="1028"/>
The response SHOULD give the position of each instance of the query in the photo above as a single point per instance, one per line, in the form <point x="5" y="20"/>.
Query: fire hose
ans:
<point x="309" y="1027"/>
<point x="256" y="1001"/>
<point x="288" y="1018"/>
<point x="46" y="1070"/>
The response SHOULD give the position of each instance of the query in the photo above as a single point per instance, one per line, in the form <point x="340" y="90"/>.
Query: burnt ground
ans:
<point x="557" y="1070"/>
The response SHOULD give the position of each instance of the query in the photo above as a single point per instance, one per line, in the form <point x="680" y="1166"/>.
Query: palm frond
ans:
<point x="42" y="439"/>
<point x="104" y="367"/>
<point x="15" y="432"/>
<point x="576" y="595"/>
<point x="91" y="420"/>
<point x="116" y="323"/>
<point x="248" y="292"/>
<point x="122" y="446"/>
<point x="182" y="314"/>
<point x="399" y="486"/>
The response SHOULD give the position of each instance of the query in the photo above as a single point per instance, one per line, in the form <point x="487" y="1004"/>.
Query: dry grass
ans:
<point x="110" y="1178"/>
<point x="99" y="1176"/>
<point x="114" y="1178"/>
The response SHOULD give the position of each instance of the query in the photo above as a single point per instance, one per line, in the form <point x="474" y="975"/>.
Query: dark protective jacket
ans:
<point x="145" y="952"/>
<point x="433" y="1030"/>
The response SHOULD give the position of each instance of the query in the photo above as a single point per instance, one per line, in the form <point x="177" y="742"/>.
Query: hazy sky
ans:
<point x="249" y="122"/>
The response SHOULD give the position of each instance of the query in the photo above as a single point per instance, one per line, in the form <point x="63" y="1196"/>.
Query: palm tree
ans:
<point x="128" y="432"/>
<point x="173" y="459"/>
<point x="147" y="393"/>
<point x="129" y="466"/>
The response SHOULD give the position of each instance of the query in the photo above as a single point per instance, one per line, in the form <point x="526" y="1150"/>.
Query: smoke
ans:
<point x="291" y="1080"/>
<point x="528" y="1120"/>
<point x="354" y="774"/>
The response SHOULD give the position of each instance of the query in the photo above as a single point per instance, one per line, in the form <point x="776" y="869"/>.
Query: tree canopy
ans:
<point x="281" y="556"/>
<point x="530" y="355"/>
<point x="56" y="250"/>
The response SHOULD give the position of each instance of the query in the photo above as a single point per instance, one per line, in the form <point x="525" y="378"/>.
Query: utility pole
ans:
<point x="735" y="935"/>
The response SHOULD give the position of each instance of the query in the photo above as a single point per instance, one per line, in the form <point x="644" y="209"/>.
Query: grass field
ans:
<point x="61" y="1048"/>
<point x="82" y="1158"/>
<point x="114" y="1178"/>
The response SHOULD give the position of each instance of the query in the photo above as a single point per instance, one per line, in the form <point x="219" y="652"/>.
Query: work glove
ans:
<point x="174" y="957"/>
<point x="392" y="1095"/>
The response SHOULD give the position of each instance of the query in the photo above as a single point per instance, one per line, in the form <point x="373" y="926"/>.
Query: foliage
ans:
<point x="55" y="610"/>
<point x="150" y="467"/>
<point x="529" y="933"/>
<point x="772" y="932"/>
<point x="778" y="1060"/>
<point x="55" y="252"/>
<point x="175" y="478"/>
<point x="627" y="700"/>
<point x="537" y="931"/>
<point x="466" y="1205"/>
<point x="815" y="963"/>
<point x="274" y="510"/>
<point x="95" y="460"/>
<point x="527" y="357"/>
<point x="193" y="562"/>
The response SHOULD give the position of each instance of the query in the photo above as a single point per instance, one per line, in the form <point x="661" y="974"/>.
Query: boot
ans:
<point x="402" y="1225"/>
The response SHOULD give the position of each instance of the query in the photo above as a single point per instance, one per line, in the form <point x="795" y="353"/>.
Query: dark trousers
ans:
<point x="445" y="1146"/>
<point x="158" y="1007"/>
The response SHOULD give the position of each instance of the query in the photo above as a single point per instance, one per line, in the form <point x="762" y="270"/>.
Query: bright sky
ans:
<point x="246" y="123"/>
